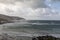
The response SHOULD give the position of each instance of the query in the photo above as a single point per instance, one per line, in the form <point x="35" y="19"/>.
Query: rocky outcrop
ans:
<point x="45" y="38"/>
<point x="9" y="19"/>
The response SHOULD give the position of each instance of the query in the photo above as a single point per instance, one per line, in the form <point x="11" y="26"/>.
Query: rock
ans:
<point x="45" y="38"/>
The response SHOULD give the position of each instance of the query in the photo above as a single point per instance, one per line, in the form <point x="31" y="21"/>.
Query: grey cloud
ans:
<point x="30" y="3"/>
<point x="6" y="1"/>
<point x="8" y="10"/>
<point x="13" y="8"/>
<point x="39" y="4"/>
<point x="11" y="1"/>
<point x="55" y="0"/>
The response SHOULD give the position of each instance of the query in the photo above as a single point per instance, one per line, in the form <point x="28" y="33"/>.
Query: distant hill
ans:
<point x="9" y="19"/>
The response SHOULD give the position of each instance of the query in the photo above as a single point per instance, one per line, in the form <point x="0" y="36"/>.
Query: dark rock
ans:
<point x="45" y="38"/>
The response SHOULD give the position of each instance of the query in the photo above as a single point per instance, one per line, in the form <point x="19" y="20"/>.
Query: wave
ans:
<point x="32" y="34"/>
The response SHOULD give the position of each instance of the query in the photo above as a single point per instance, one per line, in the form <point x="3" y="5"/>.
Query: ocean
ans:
<point x="35" y="27"/>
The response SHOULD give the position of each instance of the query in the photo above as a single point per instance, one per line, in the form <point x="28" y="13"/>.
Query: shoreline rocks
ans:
<point x="45" y="38"/>
<point x="5" y="36"/>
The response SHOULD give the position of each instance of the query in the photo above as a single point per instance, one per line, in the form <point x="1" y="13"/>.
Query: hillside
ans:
<point x="8" y="19"/>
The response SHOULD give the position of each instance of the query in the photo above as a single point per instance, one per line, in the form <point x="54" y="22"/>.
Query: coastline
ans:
<point x="5" y="36"/>
<point x="11" y="35"/>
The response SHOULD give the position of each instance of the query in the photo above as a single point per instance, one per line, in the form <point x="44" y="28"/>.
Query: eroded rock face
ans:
<point x="9" y="19"/>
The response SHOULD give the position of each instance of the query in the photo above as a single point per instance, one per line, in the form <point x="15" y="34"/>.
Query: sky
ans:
<point x="31" y="9"/>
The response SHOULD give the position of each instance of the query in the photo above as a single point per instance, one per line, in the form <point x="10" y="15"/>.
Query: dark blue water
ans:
<point x="45" y="24"/>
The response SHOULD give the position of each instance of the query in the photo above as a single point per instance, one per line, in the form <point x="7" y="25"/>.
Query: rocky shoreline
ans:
<point x="45" y="38"/>
<point x="5" y="36"/>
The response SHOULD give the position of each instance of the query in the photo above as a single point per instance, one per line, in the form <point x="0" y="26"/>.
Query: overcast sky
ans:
<point x="31" y="9"/>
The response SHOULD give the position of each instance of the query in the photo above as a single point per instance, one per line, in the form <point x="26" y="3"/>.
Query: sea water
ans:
<point x="34" y="27"/>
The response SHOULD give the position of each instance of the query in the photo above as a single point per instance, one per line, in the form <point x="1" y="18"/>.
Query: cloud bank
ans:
<point x="28" y="9"/>
<point x="55" y="0"/>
